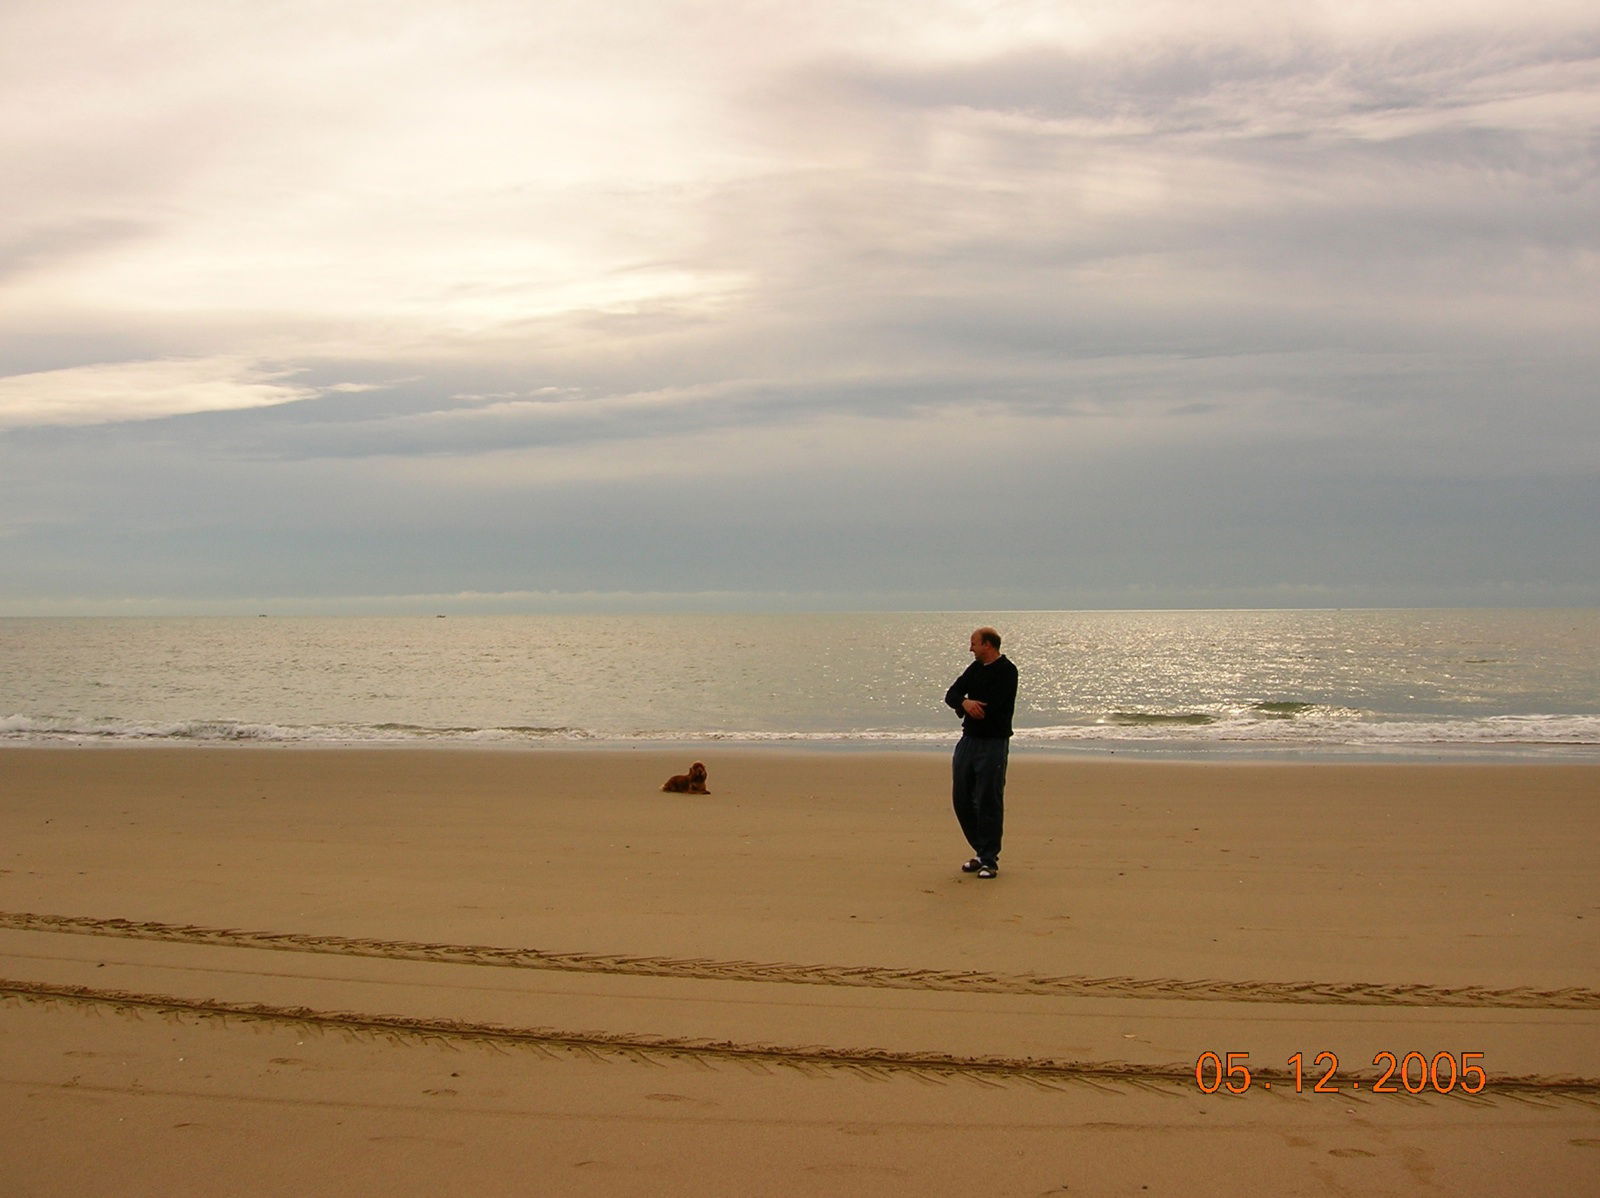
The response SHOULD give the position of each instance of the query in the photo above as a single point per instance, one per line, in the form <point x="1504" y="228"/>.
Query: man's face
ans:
<point x="981" y="649"/>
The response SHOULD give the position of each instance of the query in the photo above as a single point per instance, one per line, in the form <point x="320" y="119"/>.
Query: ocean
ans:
<point x="1514" y="684"/>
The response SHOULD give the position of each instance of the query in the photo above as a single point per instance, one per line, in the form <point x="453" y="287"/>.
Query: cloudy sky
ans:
<point x="338" y="305"/>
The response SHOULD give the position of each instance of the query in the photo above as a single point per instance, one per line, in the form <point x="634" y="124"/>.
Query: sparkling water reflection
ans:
<point x="1370" y="679"/>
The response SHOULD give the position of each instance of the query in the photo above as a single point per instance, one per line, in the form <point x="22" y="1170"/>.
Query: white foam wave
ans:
<point x="28" y="728"/>
<point x="1314" y="727"/>
<point x="1338" y="726"/>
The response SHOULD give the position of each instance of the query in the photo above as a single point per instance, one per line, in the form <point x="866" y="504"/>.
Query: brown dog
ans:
<point x="692" y="783"/>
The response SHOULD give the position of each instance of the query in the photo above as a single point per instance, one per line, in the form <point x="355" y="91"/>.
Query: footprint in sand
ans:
<point x="853" y="1168"/>
<point x="1350" y="1152"/>
<point x="667" y="1096"/>
<point x="1585" y="1142"/>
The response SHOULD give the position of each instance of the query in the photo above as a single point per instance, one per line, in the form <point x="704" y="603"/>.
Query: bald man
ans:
<point x="985" y="697"/>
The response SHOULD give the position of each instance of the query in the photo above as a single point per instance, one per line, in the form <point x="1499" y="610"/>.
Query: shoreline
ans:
<point x="540" y="969"/>
<point x="1541" y="753"/>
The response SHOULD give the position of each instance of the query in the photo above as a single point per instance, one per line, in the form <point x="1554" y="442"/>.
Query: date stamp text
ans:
<point x="1413" y="1073"/>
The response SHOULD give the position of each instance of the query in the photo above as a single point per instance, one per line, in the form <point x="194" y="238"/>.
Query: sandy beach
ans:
<point x="414" y="971"/>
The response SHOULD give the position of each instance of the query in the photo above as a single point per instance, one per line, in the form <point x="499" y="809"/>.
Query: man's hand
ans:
<point x="973" y="707"/>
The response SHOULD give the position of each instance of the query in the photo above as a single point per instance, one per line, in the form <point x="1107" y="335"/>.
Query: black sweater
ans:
<point x="994" y="684"/>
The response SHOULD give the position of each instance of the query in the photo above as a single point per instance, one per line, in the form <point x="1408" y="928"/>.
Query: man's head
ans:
<point x="985" y="645"/>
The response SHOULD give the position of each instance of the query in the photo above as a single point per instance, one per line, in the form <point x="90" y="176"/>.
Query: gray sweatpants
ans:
<point x="978" y="792"/>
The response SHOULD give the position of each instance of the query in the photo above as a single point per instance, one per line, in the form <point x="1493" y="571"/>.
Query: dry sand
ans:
<point x="285" y="971"/>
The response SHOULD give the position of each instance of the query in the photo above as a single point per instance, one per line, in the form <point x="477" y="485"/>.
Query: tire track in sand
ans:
<point x="868" y="976"/>
<point x="936" y="1067"/>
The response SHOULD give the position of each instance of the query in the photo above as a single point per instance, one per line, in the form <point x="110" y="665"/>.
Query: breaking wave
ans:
<point x="1267" y="725"/>
<point x="27" y="728"/>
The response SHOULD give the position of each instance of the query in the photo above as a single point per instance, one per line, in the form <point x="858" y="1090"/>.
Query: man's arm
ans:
<point x="956" y="698"/>
<point x="953" y="696"/>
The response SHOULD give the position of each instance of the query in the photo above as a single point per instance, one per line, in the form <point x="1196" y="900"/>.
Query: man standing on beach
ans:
<point x="985" y="697"/>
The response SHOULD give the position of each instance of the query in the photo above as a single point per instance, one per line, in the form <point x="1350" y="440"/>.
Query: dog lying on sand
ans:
<point x="692" y="783"/>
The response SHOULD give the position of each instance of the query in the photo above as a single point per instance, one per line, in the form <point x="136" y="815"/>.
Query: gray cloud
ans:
<point x="1217" y="88"/>
<point x="1160" y="315"/>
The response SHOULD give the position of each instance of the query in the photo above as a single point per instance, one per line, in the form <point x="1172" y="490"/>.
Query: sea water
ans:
<point x="1493" y="684"/>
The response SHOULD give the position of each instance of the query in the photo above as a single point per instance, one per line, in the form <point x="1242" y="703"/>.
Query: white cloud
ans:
<point x="118" y="391"/>
<point x="722" y="250"/>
